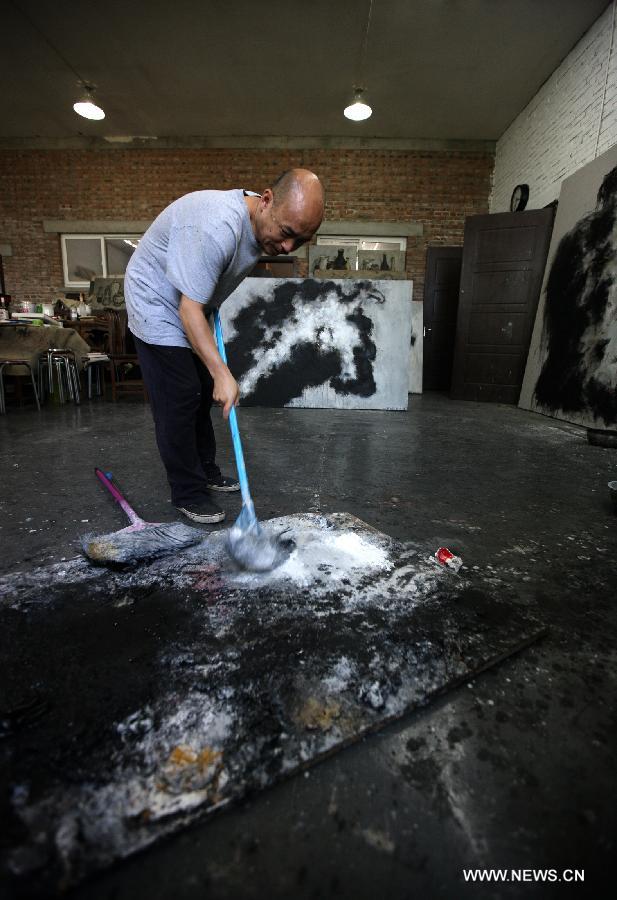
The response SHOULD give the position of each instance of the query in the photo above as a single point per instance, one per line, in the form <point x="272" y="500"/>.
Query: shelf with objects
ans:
<point x="350" y="261"/>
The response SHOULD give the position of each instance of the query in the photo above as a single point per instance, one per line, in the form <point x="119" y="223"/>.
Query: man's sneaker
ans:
<point x="204" y="511"/>
<point x="223" y="483"/>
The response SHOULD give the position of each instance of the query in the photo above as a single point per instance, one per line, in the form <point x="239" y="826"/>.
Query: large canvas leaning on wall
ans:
<point x="571" y="368"/>
<point x="318" y="343"/>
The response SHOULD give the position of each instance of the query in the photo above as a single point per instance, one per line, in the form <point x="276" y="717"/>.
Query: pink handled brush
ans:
<point x="138" y="541"/>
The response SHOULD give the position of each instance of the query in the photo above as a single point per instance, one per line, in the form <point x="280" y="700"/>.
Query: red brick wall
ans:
<point x="437" y="188"/>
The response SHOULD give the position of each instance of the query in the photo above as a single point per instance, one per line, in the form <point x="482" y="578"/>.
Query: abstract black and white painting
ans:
<point x="571" y="369"/>
<point x="320" y="343"/>
<point x="182" y="688"/>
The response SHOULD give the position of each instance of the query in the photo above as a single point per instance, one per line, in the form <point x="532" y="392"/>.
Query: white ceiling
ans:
<point x="434" y="69"/>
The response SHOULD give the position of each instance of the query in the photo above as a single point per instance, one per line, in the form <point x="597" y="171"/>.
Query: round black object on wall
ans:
<point x="519" y="198"/>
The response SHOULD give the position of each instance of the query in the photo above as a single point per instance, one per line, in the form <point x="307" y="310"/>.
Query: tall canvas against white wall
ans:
<point x="317" y="343"/>
<point x="571" y="369"/>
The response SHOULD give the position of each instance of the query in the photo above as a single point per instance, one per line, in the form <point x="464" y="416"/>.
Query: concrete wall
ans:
<point x="437" y="188"/>
<point x="570" y="121"/>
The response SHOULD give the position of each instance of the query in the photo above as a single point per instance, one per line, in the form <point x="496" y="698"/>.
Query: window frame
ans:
<point x="84" y="285"/>
<point x="357" y="241"/>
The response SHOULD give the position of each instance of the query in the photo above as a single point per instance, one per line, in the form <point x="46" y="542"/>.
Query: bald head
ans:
<point x="289" y="212"/>
<point x="300" y="190"/>
<point x="297" y="181"/>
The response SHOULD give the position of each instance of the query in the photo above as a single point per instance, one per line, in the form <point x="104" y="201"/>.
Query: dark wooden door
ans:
<point x="443" y="275"/>
<point x="503" y="263"/>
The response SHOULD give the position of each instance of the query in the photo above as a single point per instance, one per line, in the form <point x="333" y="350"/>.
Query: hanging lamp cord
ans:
<point x="363" y="47"/>
<point x="53" y="47"/>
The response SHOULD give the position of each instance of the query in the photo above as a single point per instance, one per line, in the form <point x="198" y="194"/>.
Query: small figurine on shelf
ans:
<point x="82" y="309"/>
<point x="340" y="262"/>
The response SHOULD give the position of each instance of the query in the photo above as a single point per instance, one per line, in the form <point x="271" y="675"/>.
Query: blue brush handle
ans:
<point x="233" y="424"/>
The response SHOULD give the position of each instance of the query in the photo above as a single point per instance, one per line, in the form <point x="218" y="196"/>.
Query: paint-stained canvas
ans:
<point x="572" y="364"/>
<point x="183" y="686"/>
<point x="321" y="344"/>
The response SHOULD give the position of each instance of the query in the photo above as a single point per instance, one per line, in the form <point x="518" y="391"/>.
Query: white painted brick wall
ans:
<point x="557" y="132"/>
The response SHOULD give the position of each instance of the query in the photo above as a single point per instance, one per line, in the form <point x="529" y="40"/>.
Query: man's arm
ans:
<point x="226" y="391"/>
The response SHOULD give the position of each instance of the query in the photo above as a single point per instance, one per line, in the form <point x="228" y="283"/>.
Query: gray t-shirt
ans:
<point x="202" y="245"/>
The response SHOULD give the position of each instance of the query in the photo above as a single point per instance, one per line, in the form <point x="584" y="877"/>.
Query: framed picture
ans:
<point x="381" y="261"/>
<point x="331" y="259"/>
<point x="106" y="293"/>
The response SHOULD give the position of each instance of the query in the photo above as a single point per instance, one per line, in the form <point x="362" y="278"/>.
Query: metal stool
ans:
<point x="63" y="360"/>
<point x="94" y="365"/>
<point x="16" y="362"/>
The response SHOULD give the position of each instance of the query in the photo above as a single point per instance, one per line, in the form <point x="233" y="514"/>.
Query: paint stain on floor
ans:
<point x="167" y="692"/>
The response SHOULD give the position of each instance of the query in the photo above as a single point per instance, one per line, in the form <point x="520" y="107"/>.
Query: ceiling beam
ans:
<point x="256" y="142"/>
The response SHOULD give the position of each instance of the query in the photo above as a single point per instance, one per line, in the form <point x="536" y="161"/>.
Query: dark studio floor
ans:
<point x="516" y="769"/>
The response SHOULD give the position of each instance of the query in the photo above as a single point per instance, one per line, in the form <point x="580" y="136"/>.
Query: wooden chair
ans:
<point x="126" y="376"/>
<point x="125" y="369"/>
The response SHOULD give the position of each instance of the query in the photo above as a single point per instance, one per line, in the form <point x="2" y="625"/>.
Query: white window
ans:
<point x="88" y="256"/>
<point x="352" y="245"/>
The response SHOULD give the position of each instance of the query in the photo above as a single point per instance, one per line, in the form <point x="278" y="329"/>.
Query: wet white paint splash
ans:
<point x="218" y="723"/>
<point x="320" y="554"/>
<point x="361" y="551"/>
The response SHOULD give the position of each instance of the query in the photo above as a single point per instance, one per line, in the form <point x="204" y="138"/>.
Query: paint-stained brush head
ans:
<point x="255" y="549"/>
<point x="133" y="544"/>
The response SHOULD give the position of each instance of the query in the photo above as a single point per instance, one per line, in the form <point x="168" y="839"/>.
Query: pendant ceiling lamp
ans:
<point x="86" y="106"/>
<point x="359" y="110"/>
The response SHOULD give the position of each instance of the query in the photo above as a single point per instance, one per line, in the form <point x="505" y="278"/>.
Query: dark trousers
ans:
<point x="180" y="391"/>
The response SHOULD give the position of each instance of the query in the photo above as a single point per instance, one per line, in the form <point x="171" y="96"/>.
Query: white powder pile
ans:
<point x="321" y="554"/>
<point x="362" y="552"/>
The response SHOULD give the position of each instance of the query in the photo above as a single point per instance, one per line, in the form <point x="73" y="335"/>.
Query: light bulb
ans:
<point x="88" y="109"/>
<point x="358" y="110"/>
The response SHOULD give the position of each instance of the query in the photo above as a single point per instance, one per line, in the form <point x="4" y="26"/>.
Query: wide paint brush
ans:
<point x="248" y="544"/>
<point x="138" y="541"/>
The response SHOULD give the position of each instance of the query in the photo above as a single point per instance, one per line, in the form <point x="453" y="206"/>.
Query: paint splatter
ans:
<point x="179" y="687"/>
